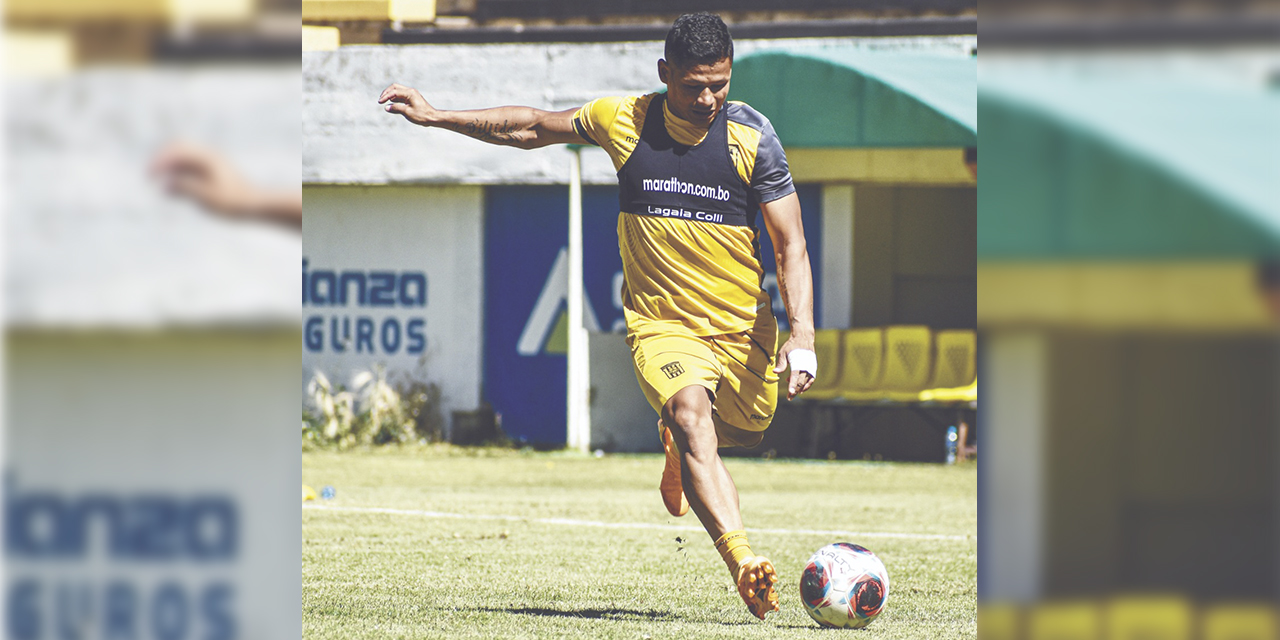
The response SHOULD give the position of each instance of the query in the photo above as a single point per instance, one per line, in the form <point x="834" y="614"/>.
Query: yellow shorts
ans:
<point x="737" y="369"/>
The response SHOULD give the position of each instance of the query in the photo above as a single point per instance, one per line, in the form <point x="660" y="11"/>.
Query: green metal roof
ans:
<point x="1080" y="165"/>
<point x="848" y="98"/>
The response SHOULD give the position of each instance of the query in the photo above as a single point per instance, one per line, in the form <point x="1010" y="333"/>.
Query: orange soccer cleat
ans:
<point x="756" y="579"/>
<point x="670" y="488"/>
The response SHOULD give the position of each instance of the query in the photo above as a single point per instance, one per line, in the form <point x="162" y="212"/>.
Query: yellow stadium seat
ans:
<point x="962" y="395"/>
<point x="862" y="354"/>
<point x="1142" y="617"/>
<point x="826" y="344"/>
<point x="1065" y="621"/>
<point x="373" y="10"/>
<point x="998" y="622"/>
<point x="1240" y="622"/>
<point x="176" y="11"/>
<point x="956" y="364"/>
<point x="226" y="12"/>
<point x="908" y="361"/>
<point x="955" y="371"/>
<point x="38" y="53"/>
<point x="320" y="38"/>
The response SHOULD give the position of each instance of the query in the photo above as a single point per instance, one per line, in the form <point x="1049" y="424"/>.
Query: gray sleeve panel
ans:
<point x="742" y="113"/>
<point x="770" y="178"/>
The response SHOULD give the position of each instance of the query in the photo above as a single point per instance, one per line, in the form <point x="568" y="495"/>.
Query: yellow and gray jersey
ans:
<point x="687" y="233"/>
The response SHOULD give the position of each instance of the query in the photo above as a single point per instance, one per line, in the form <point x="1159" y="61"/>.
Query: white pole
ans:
<point x="579" y="378"/>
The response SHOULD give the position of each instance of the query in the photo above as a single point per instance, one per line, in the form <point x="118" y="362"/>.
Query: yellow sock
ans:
<point x="734" y="549"/>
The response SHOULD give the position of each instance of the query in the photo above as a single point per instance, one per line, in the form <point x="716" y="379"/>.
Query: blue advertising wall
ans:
<point x="525" y="274"/>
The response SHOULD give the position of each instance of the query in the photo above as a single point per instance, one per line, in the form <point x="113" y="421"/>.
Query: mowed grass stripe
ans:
<point x="385" y="576"/>
<point x="632" y="525"/>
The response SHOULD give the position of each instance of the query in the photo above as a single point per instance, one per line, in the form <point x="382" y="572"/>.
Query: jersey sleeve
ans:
<point x="595" y="118"/>
<point x="770" y="178"/>
<point x="610" y="123"/>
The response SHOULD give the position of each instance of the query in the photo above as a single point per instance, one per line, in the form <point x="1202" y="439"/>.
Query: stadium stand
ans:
<point x="474" y="21"/>
<point x="363" y="21"/>
<point x="1239" y="622"/>
<point x="908" y="361"/>
<point x="956" y="365"/>
<point x="999" y="622"/>
<point x="52" y="37"/>
<point x="909" y="364"/>
<point x="1128" y="617"/>
<point x="1138" y="617"/>
<point x="826" y="344"/>
<point x="1064" y="621"/>
<point x="320" y="38"/>
<point x="867" y="370"/>
<point x="862" y="363"/>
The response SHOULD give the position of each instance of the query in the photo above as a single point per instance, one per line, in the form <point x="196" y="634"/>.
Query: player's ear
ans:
<point x="663" y="71"/>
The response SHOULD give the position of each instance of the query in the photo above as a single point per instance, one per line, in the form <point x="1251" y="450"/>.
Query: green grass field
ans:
<point x="563" y="545"/>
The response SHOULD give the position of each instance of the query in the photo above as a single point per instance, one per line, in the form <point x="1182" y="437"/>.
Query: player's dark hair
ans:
<point x="698" y="38"/>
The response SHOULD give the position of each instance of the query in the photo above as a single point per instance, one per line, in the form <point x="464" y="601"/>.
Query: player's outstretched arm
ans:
<point x="522" y="127"/>
<point x="795" y="282"/>
<point x="207" y="177"/>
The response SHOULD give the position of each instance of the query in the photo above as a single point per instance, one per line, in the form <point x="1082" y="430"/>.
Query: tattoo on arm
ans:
<point x="782" y="289"/>
<point x="504" y="133"/>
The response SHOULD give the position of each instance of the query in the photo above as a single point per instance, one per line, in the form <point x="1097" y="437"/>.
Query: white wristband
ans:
<point x="804" y="360"/>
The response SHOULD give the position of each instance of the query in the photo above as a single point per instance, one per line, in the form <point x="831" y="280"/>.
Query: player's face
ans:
<point x="698" y="92"/>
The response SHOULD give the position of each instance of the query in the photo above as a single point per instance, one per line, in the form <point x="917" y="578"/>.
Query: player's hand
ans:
<point x="799" y="381"/>
<point x="407" y="102"/>
<point x="205" y="176"/>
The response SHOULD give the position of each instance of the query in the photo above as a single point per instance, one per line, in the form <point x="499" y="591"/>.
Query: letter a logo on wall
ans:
<point x="547" y="330"/>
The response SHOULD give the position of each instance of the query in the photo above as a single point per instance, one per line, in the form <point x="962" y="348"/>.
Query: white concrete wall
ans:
<point x="621" y="418"/>
<point x="92" y="240"/>
<point x="98" y="408"/>
<point x="348" y="138"/>
<point x="171" y="416"/>
<point x="435" y="230"/>
<point x="837" y="256"/>
<point x="1012" y="483"/>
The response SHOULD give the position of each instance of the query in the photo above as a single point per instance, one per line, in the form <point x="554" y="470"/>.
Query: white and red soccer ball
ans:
<point x="844" y="585"/>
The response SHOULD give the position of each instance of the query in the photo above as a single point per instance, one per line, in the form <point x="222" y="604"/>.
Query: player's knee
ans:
<point x="690" y="422"/>
<point x="692" y="427"/>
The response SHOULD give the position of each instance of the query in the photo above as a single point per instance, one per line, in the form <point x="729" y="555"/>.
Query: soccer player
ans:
<point x="692" y="169"/>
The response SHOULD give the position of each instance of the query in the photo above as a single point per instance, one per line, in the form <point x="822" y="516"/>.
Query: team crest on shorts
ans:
<point x="672" y="369"/>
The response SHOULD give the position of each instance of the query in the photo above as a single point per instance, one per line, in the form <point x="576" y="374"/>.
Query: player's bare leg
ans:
<point x="671" y="488"/>
<point x="710" y="491"/>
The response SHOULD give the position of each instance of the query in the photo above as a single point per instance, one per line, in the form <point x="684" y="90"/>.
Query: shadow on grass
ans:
<point x="648" y="615"/>
<point x="591" y="614"/>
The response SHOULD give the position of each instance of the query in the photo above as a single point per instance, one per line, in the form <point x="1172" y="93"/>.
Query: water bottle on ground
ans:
<point x="953" y="437"/>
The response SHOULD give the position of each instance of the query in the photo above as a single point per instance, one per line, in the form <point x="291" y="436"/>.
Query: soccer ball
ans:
<point x="844" y="586"/>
